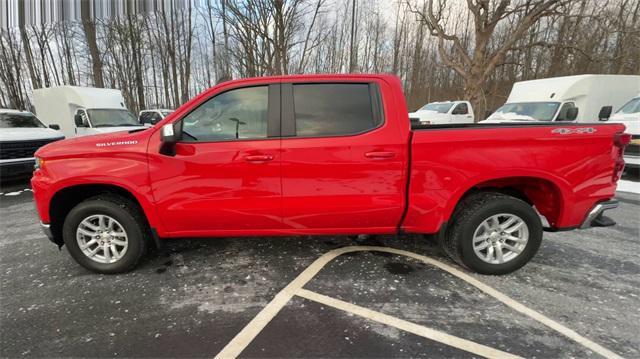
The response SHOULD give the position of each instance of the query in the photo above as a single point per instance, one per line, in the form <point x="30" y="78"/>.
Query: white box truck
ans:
<point x="82" y="111"/>
<point x="570" y="98"/>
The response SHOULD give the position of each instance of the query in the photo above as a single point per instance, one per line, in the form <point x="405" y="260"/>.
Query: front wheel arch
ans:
<point x="64" y="200"/>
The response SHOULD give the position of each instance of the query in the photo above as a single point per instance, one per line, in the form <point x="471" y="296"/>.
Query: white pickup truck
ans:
<point x="444" y="112"/>
<point x="21" y="134"/>
<point x="151" y="117"/>
<point x="629" y="115"/>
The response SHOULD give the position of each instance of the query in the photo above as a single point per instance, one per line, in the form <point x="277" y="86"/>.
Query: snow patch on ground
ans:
<point x="628" y="186"/>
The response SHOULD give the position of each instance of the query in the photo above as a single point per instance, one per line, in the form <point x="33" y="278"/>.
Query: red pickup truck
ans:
<point x="324" y="155"/>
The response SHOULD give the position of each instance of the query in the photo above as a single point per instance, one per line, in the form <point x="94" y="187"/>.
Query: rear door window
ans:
<point x="334" y="109"/>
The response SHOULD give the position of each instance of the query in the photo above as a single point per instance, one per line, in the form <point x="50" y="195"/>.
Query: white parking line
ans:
<point x="628" y="186"/>
<point x="444" y="338"/>
<point x="15" y="193"/>
<point x="260" y="321"/>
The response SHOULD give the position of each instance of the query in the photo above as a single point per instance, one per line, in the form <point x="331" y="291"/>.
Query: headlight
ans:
<point x="39" y="163"/>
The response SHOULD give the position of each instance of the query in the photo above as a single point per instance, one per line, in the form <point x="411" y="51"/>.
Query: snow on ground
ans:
<point x="628" y="186"/>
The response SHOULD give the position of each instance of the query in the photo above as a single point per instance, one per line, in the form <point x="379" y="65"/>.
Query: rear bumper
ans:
<point x="596" y="211"/>
<point x="632" y="161"/>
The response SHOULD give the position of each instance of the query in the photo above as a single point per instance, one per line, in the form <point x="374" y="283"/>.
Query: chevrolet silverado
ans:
<point x="324" y="155"/>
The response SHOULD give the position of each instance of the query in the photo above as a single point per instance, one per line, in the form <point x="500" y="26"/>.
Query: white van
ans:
<point x="629" y="115"/>
<point x="444" y="112"/>
<point x="570" y="98"/>
<point x="21" y="134"/>
<point x="82" y="111"/>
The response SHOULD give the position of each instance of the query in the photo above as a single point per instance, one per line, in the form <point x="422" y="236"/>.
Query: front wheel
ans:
<point x="492" y="233"/>
<point x="105" y="234"/>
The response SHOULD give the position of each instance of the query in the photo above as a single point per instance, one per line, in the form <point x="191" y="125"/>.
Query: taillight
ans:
<point x="620" y="140"/>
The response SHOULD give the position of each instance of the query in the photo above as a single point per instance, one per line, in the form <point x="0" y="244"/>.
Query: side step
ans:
<point x="595" y="218"/>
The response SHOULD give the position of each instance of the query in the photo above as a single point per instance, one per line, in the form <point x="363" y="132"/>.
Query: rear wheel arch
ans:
<point x="469" y="234"/>
<point x="548" y="197"/>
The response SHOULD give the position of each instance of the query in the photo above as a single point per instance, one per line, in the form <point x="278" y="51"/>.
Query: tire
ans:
<point x="475" y="218"/>
<point x="125" y="217"/>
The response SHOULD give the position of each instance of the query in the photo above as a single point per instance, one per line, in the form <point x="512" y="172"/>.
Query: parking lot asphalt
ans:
<point x="191" y="298"/>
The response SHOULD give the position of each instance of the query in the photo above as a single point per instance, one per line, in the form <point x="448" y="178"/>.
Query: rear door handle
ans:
<point x="380" y="155"/>
<point x="258" y="158"/>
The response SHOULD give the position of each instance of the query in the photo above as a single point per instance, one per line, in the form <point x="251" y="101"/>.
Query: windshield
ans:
<point x="437" y="107"/>
<point x="632" y="106"/>
<point x="111" y="118"/>
<point x="19" y="120"/>
<point x="535" y="111"/>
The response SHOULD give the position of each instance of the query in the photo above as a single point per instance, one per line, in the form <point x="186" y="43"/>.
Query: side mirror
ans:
<point x="605" y="113"/>
<point x="169" y="138"/>
<point x="78" y="120"/>
<point x="54" y="127"/>
<point x="572" y="114"/>
<point x="167" y="134"/>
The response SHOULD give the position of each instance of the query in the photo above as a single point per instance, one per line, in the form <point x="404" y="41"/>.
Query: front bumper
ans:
<point x="46" y="229"/>
<point x="16" y="167"/>
<point x="594" y="217"/>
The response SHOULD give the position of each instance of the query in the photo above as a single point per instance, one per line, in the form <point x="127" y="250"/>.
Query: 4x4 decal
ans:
<point x="568" y="131"/>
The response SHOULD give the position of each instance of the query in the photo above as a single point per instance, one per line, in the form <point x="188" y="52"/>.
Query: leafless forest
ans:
<point x="472" y="49"/>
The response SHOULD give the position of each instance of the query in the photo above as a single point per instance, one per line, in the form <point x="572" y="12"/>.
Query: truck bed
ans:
<point x="563" y="163"/>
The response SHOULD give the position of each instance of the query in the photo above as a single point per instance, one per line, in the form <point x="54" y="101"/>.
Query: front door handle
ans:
<point x="258" y="158"/>
<point x="380" y="155"/>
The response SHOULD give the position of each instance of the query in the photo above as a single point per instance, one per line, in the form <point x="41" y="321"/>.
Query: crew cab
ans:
<point x="324" y="155"/>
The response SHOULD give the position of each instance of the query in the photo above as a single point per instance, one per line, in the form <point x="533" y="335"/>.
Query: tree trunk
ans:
<point x="89" y="27"/>
<point x="474" y="93"/>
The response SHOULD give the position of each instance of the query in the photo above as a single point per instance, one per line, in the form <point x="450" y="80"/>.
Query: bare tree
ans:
<point x="471" y="49"/>
<point x="475" y="64"/>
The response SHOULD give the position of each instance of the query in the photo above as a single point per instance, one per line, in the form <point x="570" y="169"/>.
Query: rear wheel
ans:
<point x="106" y="234"/>
<point x="492" y="233"/>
